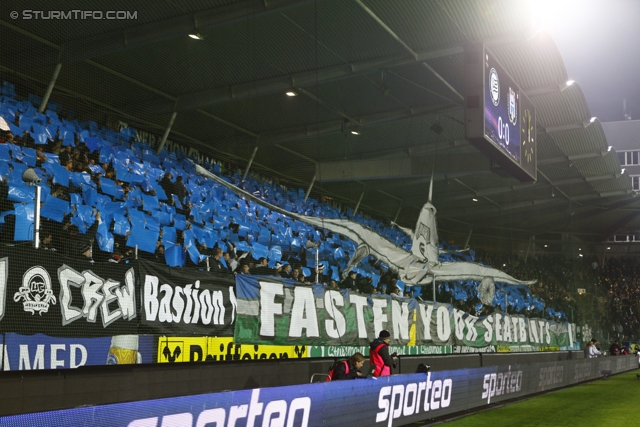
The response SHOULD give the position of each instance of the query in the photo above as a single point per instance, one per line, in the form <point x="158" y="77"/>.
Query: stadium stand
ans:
<point x="101" y="186"/>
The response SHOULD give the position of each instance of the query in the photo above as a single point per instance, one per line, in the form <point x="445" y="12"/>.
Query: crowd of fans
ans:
<point x="107" y="197"/>
<point x="620" y="279"/>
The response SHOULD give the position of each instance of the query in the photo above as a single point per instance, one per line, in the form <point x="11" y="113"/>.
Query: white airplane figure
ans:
<point x="417" y="268"/>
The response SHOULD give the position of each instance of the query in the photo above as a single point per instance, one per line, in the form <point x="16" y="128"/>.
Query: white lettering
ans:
<point x="274" y="407"/>
<point x="268" y="307"/>
<point x="164" y="313"/>
<point x="533" y="331"/>
<point x="379" y="318"/>
<point x="396" y="391"/>
<point x="488" y="334"/>
<point x="523" y="329"/>
<point x="151" y="297"/>
<point x="178" y="304"/>
<point x="97" y="294"/>
<point x="458" y="323"/>
<point x="4" y="275"/>
<point x="447" y="387"/>
<point x="498" y="327"/>
<point x="400" y="318"/>
<point x="303" y="313"/>
<point x="206" y="312"/>
<point x="55" y="362"/>
<point x="470" y="322"/>
<point x="444" y="323"/>
<point x="426" y="312"/>
<point x="299" y="404"/>
<point x="383" y="403"/>
<point x="359" y="302"/>
<point x="410" y="408"/>
<point x="404" y="400"/>
<point x="208" y="418"/>
<point x="336" y="326"/>
<point x="506" y="332"/>
<point x="72" y="355"/>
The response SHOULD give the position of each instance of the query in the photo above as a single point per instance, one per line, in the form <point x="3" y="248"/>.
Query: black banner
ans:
<point x="182" y="302"/>
<point x="43" y="292"/>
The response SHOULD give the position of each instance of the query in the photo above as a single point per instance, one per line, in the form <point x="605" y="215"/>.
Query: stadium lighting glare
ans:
<point x="608" y="247"/>
<point x="474" y="199"/>
<point x="622" y="171"/>
<point x="546" y="246"/>
<point x="592" y="119"/>
<point x="580" y="255"/>
<point x="609" y="148"/>
<point x="549" y="14"/>
<point x="355" y="132"/>
<point x="291" y="93"/>
<point x="570" y="82"/>
<point x="196" y="36"/>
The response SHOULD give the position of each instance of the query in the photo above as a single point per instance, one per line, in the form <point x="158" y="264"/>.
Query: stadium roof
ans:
<point x="393" y="72"/>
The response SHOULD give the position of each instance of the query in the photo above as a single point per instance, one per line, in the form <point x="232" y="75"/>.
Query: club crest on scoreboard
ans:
<point x="513" y="106"/>
<point x="494" y="82"/>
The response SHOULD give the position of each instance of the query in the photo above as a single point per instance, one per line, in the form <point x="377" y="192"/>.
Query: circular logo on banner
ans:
<point x="35" y="293"/>
<point x="495" y="86"/>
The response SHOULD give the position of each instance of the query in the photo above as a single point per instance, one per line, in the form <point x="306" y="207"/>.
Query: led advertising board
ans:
<point x="386" y="401"/>
<point x="500" y="118"/>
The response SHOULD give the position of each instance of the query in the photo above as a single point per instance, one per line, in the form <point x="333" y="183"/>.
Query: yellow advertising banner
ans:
<point x="210" y="349"/>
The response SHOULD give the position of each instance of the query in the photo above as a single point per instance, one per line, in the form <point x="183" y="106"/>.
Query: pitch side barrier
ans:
<point x="386" y="401"/>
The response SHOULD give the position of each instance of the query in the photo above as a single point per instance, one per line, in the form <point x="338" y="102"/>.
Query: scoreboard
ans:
<point x="500" y="118"/>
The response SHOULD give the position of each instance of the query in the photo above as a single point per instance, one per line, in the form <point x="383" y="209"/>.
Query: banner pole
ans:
<point x="136" y="251"/>
<point x="306" y="196"/>
<point x="208" y="269"/>
<point x="246" y="170"/>
<point x="36" y="231"/>
<point x="434" y="288"/>
<point x="317" y="259"/>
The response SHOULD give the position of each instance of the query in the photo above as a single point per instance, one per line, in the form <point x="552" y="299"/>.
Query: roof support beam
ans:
<point x="527" y="186"/>
<point x="571" y="158"/>
<point x="335" y="126"/>
<point x="281" y="84"/>
<point x="536" y="202"/>
<point x="592" y="212"/>
<point x="619" y="225"/>
<point x="413" y="150"/>
<point x="172" y="100"/>
<point x="564" y="127"/>
<point x="177" y="26"/>
<point x="387" y="28"/>
<point x="398" y="168"/>
<point x="442" y="79"/>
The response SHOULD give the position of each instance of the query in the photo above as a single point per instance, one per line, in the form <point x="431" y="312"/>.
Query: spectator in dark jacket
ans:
<point x="215" y="264"/>
<point x="614" y="350"/>
<point x="350" y="282"/>
<point x="348" y="369"/>
<point x="180" y="189"/>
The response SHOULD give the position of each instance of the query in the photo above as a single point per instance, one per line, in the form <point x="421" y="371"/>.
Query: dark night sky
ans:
<point x="599" y="41"/>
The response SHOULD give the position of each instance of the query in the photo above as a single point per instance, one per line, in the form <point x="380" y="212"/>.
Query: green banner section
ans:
<point x="347" y="351"/>
<point x="278" y="312"/>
